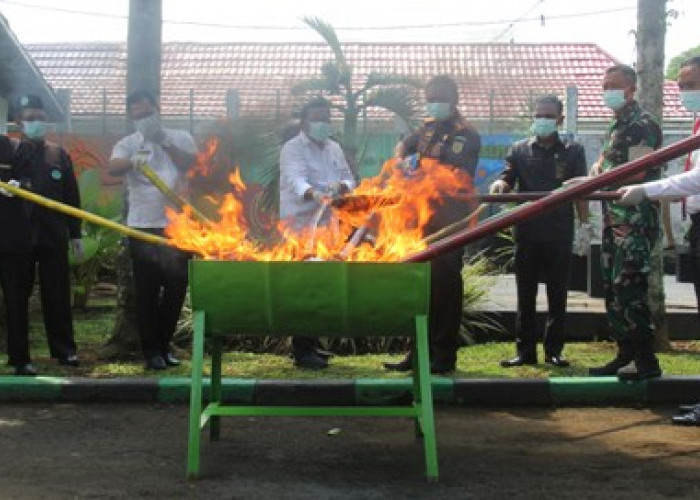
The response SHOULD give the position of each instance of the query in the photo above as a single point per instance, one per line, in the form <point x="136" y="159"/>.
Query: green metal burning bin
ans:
<point x="312" y="299"/>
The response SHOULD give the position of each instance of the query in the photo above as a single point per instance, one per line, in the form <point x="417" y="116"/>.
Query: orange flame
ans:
<point x="205" y="159"/>
<point x="398" y="228"/>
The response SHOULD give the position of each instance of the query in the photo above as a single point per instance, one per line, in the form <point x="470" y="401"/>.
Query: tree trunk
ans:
<point x="651" y="35"/>
<point x="143" y="73"/>
<point x="124" y="340"/>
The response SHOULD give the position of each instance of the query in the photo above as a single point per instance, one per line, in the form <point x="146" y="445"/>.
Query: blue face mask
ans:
<point x="544" y="127"/>
<point x="439" y="110"/>
<point x="614" y="99"/>
<point x="691" y="100"/>
<point x="320" y="131"/>
<point x="35" y="129"/>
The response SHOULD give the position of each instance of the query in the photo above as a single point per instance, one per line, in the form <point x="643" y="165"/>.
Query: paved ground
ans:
<point x="138" y="451"/>
<point x="502" y="296"/>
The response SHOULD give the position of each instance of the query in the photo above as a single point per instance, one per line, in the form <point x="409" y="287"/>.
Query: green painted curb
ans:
<point x="587" y="390"/>
<point x="233" y="390"/>
<point x="380" y="392"/>
<point x="15" y="388"/>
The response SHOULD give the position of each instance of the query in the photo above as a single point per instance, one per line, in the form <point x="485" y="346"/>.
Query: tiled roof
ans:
<point x="264" y="73"/>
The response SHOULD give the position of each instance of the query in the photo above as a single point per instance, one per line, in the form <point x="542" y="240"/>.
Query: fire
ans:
<point x="396" y="208"/>
<point x="205" y="159"/>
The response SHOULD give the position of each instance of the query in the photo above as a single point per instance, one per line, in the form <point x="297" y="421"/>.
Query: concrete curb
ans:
<point x="556" y="391"/>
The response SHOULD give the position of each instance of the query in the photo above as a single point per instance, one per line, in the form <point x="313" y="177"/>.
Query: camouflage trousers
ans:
<point x="626" y="262"/>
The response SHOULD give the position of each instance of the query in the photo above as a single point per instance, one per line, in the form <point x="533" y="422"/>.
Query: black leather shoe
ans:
<point x="688" y="408"/>
<point x="324" y="354"/>
<point x="405" y="365"/>
<point x="634" y="372"/>
<point x="557" y="361"/>
<point x="71" y="360"/>
<point x="609" y="369"/>
<point x="170" y="360"/>
<point x="311" y="361"/>
<point x="155" y="363"/>
<point x="690" y="418"/>
<point x="519" y="360"/>
<point x="439" y="367"/>
<point x="27" y="370"/>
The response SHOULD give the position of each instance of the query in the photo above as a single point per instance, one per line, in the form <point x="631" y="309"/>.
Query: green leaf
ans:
<point x="90" y="246"/>
<point x="395" y="99"/>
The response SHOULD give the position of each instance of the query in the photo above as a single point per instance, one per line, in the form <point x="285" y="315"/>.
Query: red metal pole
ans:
<point x="537" y="195"/>
<point x="527" y="211"/>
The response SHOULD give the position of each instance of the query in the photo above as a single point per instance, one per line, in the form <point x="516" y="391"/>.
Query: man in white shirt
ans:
<point x="677" y="186"/>
<point x="312" y="170"/>
<point x="160" y="273"/>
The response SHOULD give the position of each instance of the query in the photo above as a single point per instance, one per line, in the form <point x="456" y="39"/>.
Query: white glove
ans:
<point x="139" y="159"/>
<point x="631" y="195"/>
<point x="596" y="169"/>
<point x="13" y="183"/>
<point x="582" y="241"/>
<point x="76" y="245"/>
<point x="498" y="187"/>
<point x="575" y="181"/>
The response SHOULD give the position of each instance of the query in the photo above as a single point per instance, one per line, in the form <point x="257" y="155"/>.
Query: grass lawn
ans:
<point x="93" y="328"/>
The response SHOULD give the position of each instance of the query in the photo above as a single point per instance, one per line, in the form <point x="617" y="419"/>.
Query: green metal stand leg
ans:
<point x="417" y="430"/>
<point x="195" y="396"/>
<point x="215" y="421"/>
<point x="425" y="406"/>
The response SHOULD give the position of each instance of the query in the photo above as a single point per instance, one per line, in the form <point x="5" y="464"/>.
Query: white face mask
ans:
<point x="148" y="126"/>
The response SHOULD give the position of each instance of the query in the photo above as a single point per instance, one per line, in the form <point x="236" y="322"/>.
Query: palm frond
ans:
<point x="329" y="35"/>
<point x="310" y="85"/>
<point x="375" y="79"/>
<point x="395" y="99"/>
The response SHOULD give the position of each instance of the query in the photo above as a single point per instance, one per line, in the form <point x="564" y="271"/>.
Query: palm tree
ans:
<point x="394" y="93"/>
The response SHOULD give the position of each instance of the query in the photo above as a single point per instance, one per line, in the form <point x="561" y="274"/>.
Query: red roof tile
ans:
<point x="264" y="73"/>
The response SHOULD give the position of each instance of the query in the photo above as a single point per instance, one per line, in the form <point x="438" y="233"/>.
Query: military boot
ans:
<point x="645" y="365"/>
<point x="625" y="354"/>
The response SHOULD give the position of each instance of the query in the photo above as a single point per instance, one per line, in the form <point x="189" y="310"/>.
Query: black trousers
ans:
<point x="694" y="241"/>
<point x="54" y="286"/>
<point x="16" y="286"/>
<point x="553" y="260"/>
<point x="160" y="281"/>
<point x="446" y="293"/>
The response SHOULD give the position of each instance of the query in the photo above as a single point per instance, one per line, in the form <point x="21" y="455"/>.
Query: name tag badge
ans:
<point x="56" y="174"/>
<point x="5" y="166"/>
<point x="458" y="145"/>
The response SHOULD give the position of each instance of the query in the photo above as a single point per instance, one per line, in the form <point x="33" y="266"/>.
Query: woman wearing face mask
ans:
<point x="447" y="137"/>
<point x="52" y="176"/>
<point x="543" y="245"/>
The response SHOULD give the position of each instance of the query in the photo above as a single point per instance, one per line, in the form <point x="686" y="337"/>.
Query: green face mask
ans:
<point x="439" y="110"/>
<point x="320" y="131"/>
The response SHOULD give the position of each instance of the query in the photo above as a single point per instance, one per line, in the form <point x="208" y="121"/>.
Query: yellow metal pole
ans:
<point x="171" y="195"/>
<point x="82" y="214"/>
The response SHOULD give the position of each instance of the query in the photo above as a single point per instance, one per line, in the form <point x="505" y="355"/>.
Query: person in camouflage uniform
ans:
<point x="629" y="233"/>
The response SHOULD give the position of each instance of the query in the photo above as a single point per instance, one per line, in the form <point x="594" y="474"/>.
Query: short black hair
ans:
<point x="444" y="81"/>
<point x="318" y="102"/>
<point x="693" y="61"/>
<point x="627" y="71"/>
<point x="550" y="99"/>
<point x="138" y="96"/>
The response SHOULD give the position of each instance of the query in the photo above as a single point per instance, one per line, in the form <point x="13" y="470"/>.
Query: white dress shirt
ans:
<point x="145" y="203"/>
<point x="303" y="165"/>
<point x="679" y="185"/>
